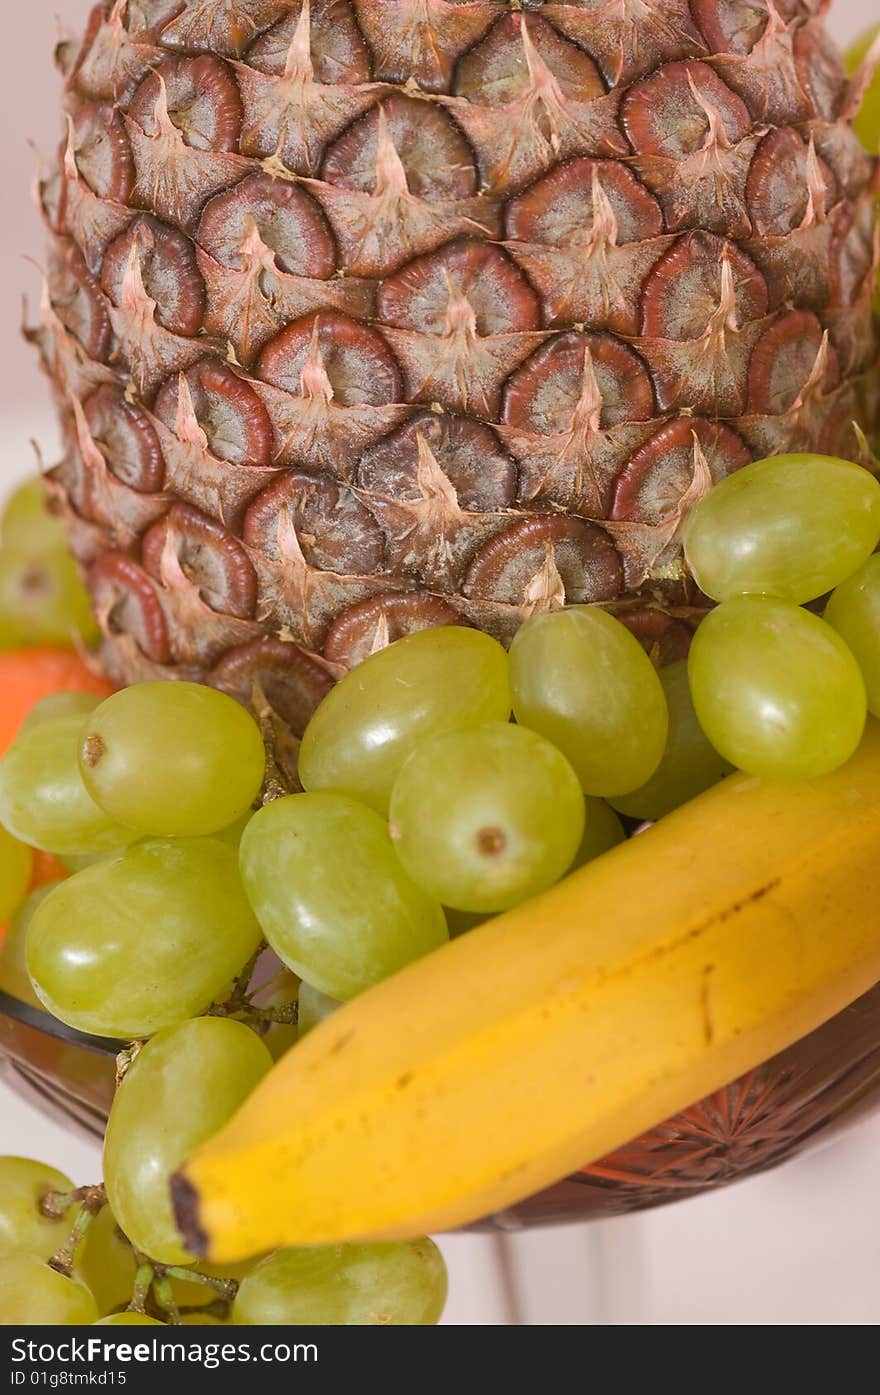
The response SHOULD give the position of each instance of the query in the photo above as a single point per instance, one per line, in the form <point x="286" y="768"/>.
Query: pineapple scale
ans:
<point x="369" y="315"/>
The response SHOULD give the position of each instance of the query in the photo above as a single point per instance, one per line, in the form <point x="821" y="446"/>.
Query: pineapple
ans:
<point x="369" y="315"/>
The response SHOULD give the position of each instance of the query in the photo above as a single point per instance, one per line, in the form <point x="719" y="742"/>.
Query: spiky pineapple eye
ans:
<point x="497" y="71"/>
<point x="338" y="52"/>
<point x="214" y="562"/>
<point x="290" y="680"/>
<point x="784" y="360"/>
<point x="424" y="295"/>
<point x="102" y="152"/>
<point x="687" y="288"/>
<point x="559" y="209"/>
<point x="130" y="444"/>
<point x="149" y="16"/>
<point x="80" y="305"/>
<point x="335" y="530"/>
<point x="168" y="270"/>
<point x="483" y="475"/>
<point x="126" y="600"/>
<point x="202" y="100"/>
<point x="362" y="629"/>
<point x="680" y="110"/>
<point x="594" y="372"/>
<point x="226" y="408"/>
<point x="332" y="349"/>
<point x="436" y="157"/>
<point x="658" y="474"/>
<point x="784" y="182"/>
<point x="284" y="217"/>
<point x="544" y="552"/>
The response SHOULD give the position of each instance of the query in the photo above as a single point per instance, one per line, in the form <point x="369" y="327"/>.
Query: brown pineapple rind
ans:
<point x="365" y="315"/>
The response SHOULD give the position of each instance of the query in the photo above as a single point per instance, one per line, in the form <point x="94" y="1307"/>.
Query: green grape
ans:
<point x="60" y="705"/>
<point x="792" y="526"/>
<point x="42" y="596"/>
<point x="585" y="683"/>
<point x="396" y="1285"/>
<point x="26" y="522"/>
<point x="33" y="1295"/>
<point x="15" y="873"/>
<point x="106" y="1263"/>
<point x="484" y="819"/>
<point x="128" y="1320"/>
<point x="775" y="689"/>
<point x="690" y="762"/>
<point x="867" y="119"/>
<point x="142" y="940"/>
<point x="43" y="800"/>
<point x="201" y="1320"/>
<point x="181" y="1088"/>
<point x="436" y="680"/>
<point x="314" y="1008"/>
<point x="333" y="900"/>
<point x="602" y="832"/>
<point x="23" y="1227"/>
<point x="854" y="611"/>
<point x="13" y="966"/>
<point x="177" y="760"/>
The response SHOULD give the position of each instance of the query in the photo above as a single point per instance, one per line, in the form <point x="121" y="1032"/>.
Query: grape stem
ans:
<point x="91" y="1200"/>
<point x="239" y="1001"/>
<point x="143" y="1282"/>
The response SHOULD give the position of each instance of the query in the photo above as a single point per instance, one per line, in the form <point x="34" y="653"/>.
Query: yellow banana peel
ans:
<point x="558" y="1031"/>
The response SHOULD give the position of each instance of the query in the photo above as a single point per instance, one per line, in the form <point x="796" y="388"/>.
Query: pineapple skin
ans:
<point x="368" y="315"/>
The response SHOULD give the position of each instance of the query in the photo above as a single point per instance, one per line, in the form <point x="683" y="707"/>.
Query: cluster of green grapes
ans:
<point x="42" y="600"/>
<point x="423" y="809"/>
<point x="779" y="691"/>
<point x="65" y="1260"/>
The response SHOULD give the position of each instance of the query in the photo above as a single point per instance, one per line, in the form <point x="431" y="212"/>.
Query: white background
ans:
<point x="800" y="1245"/>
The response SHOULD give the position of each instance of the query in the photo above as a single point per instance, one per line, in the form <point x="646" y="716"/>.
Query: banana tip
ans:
<point x="185" y="1203"/>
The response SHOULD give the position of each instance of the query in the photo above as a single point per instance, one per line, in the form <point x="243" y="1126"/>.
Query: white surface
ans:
<point x="801" y="1245"/>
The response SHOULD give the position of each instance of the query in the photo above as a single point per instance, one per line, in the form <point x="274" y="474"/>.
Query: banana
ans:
<point x="560" y="1030"/>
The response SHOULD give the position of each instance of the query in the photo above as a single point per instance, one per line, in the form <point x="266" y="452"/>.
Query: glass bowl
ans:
<point x="759" y="1120"/>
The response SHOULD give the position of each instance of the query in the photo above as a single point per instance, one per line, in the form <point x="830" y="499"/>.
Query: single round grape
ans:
<point x="15" y="873"/>
<point x="437" y="680"/>
<point x="178" y="760"/>
<point x="106" y="1264"/>
<point x="181" y="1088"/>
<point x="690" y="762"/>
<point x="26" y="522"/>
<point x="867" y="119"/>
<point x="585" y="683"/>
<point x="14" y="978"/>
<point x="142" y="940"/>
<point x="792" y="526"/>
<point x="43" y="800"/>
<point x="333" y="900"/>
<point x="396" y="1285"/>
<point x="602" y="831"/>
<point x="128" y="1320"/>
<point x="41" y="594"/>
<point x="33" y="1295"/>
<point x="854" y="612"/>
<point x="23" y="1227"/>
<point x="314" y="1008"/>
<point x="60" y="705"/>
<point x="484" y="819"/>
<point x="775" y="689"/>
